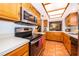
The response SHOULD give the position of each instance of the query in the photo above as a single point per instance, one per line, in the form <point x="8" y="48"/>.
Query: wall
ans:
<point x="41" y="10"/>
<point x="8" y="28"/>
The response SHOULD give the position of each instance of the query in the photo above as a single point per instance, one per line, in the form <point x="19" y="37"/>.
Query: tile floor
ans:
<point x="53" y="48"/>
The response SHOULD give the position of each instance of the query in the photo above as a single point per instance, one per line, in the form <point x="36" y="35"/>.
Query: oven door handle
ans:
<point x="34" y="41"/>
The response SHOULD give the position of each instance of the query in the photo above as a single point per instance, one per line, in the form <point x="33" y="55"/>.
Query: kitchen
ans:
<point x="39" y="29"/>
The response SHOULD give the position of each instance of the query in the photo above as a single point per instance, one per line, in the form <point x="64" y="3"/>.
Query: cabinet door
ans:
<point x="39" y="22"/>
<point x="44" y="40"/>
<point x="26" y="54"/>
<point x="56" y="36"/>
<point x="45" y="23"/>
<point x="10" y="11"/>
<point x="72" y="19"/>
<point x="51" y="36"/>
<point x="68" y="21"/>
<point x="67" y="42"/>
<point x="19" y="51"/>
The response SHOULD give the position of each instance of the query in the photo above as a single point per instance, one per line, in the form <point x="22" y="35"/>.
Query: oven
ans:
<point x="35" y="46"/>
<point x="35" y="39"/>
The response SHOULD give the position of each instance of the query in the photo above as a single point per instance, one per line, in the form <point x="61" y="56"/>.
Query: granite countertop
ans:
<point x="11" y="43"/>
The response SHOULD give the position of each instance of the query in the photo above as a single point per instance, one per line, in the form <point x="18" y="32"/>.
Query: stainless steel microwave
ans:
<point x="27" y="16"/>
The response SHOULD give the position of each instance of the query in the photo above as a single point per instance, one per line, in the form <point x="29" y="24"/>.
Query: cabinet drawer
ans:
<point x="19" y="51"/>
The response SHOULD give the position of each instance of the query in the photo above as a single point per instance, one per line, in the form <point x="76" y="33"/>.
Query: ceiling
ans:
<point x="55" y="10"/>
<point x="39" y="7"/>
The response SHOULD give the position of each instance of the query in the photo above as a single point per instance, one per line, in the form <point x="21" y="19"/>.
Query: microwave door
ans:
<point x="27" y="17"/>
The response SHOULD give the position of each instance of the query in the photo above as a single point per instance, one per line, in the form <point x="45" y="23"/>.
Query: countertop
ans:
<point x="39" y="33"/>
<point x="11" y="43"/>
<point x="72" y="35"/>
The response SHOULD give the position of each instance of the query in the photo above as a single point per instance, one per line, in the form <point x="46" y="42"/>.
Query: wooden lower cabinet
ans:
<point x="26" y="54"/>
<point x="55" y="36"/>
<point x="44" y="41"/>
<point x="71" y="44"/>
<point x="67" y="42"/>
<point x="21" y="51"/>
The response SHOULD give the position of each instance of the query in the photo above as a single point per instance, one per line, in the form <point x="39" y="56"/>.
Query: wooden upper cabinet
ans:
<point x="72" y="19"/>
<point x="45" y="23"/>
<point x="10" y="11"/>
<point x="39" y="21"/>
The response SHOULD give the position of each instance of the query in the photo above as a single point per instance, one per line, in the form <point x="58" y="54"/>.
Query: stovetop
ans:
<point x="28" y="35"/>
<point x="34" y="36"/>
